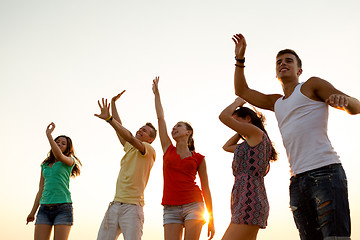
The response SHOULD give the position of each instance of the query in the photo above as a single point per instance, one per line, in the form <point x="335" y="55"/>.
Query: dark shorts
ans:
<point x="55" y="214"/>
<point x="319" y="202"/>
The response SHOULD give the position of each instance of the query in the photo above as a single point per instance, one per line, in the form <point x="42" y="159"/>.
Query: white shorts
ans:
<point x="181" y="213"/>
<point x="124" y="218"/>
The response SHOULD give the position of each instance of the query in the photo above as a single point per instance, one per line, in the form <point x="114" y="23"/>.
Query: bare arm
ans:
<point x="116" y="115"/>
<point x="242" y="90"/>
<point x="252" y="133"/>
<point x="321" y="90"/>
<point x="164" y="137"/>
<point x="31" y="216"/>
<point x="123" y="132"/>
<point x="231" y="144"/>
<point x="207" y="197"/>
<point x="55" y="148"/>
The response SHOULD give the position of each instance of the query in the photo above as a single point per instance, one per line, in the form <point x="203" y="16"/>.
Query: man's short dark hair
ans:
<point x="285" y="51"/>
<point x="153" y="132"/>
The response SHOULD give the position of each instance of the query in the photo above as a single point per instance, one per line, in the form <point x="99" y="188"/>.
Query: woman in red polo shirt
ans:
<point x="182" y="198"/>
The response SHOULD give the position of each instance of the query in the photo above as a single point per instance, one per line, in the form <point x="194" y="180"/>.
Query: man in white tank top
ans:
<point x="302" y="114"/>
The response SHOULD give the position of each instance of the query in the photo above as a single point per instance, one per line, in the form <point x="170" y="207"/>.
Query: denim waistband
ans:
<point x="331" y="166"/>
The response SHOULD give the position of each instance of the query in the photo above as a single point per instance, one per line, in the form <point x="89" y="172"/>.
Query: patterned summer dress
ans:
<point x="249" y="203"/>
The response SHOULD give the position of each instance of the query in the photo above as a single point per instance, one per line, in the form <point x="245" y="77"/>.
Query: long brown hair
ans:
<point x="69" y="152"/>
<point x="258" y="120"/>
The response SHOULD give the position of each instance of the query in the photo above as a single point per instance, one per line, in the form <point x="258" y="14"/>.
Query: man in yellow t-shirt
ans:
<point x="125" y="214"/>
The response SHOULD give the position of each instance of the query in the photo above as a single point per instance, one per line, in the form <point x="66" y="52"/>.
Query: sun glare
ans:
<point x="206" y="216"/>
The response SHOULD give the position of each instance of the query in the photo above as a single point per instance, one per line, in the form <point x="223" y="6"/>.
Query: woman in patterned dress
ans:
<point x="249" y="204"/>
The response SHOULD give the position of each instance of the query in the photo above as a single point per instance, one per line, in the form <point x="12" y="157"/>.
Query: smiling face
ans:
<point x="180" y="130"/>
<point x="287" y="66"/>
<point x="143" y="134"/>
<point x="62" y="143"/>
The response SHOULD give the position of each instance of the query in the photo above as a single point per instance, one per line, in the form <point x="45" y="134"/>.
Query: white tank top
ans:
<point x="303" y="126"/>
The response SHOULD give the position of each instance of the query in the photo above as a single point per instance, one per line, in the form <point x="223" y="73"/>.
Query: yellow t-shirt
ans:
<point x="134" y="174"/>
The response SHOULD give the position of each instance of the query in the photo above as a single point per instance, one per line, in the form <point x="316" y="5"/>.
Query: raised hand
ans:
<point x="240" y="45"/>
<point x="104" y="109"/>
<point x="117" y="96"/>
<point x="155" y="86"/>
<point x="50" y="128"/>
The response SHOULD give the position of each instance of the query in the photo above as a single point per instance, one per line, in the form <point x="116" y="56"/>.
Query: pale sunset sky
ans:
<point x="58" y="58"/>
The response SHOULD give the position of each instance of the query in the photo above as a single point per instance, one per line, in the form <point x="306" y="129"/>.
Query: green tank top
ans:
<point x="56" y="184"/>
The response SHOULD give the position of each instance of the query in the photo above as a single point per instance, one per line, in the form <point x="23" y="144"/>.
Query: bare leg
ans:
<point x="173" y="231"/>
<point x="42" y="232"/>
<point x="61" y="232"/>
<point x="193" y="229"/>
<point x="241" y="231"/>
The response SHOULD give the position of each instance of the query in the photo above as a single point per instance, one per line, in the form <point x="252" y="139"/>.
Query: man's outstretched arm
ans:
<point x="116" y="115"/>
<point x="258" y="99"/>
<point x="327" y="93"/>
<point x="120" y="130"/>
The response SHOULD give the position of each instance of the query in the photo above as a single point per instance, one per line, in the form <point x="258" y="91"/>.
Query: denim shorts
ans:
<point x="55" y="214"/>
<point x="181" y="213"/>
<point x="319" y="202"/>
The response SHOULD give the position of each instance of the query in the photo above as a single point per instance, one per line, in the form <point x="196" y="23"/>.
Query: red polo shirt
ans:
<point x="179" y="178"/>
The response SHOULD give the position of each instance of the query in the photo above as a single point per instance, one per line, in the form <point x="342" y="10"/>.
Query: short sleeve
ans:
<point x="127" y="146"/>
<point x="149" y="151"/>
<point x="199" y="158"/>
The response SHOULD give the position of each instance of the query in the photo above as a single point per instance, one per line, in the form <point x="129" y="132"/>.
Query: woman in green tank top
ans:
<point x="54" y="197"/>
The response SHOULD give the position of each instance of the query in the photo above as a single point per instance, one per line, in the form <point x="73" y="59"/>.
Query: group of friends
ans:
<point x="318" y="185"/>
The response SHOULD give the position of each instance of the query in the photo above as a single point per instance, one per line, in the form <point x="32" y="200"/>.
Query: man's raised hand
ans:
<point x="104" y="109"/>
<point x="240" y="45"/>
<point x="117" y="96"/>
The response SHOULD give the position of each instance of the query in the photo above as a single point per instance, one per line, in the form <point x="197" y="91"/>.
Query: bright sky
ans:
<point x="58" y="58"/>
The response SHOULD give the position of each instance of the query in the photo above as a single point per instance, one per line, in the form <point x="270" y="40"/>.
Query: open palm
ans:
<point x="104" y="109"/>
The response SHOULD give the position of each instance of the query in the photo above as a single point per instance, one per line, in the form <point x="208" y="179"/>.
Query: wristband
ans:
<point x="239" y="66"/>
<point x="109" y="119"/>
<point x="240" y="60"/>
